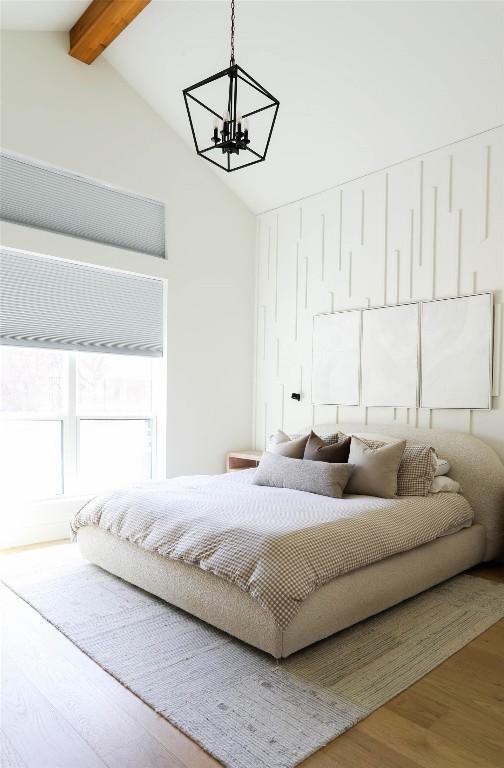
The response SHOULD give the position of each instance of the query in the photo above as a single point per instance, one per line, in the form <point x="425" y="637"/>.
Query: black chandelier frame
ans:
<point x="237" y="140"/>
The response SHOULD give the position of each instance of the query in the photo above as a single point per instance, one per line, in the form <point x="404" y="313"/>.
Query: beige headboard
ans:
<point x="474" y="465"/>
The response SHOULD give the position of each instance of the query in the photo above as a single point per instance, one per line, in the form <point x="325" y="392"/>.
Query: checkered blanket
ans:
<point x="277" y="544"/>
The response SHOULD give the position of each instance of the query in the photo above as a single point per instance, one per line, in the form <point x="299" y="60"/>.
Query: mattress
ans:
<point x="278" y="545"/>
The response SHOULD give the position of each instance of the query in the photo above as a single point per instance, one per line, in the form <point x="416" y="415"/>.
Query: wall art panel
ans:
<point x="456" y="352"/>
<point x="390" y="356"/>
<point x="336" y="358"/>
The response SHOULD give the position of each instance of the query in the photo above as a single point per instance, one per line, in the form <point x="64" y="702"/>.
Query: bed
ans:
<point x="218" y="556"/>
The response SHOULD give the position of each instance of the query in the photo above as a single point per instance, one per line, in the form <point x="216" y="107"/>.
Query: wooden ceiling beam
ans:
<point x="101" y="22"/>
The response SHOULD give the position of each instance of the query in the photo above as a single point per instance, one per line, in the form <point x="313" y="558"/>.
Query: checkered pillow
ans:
<point x="332" y="439"/>
<point x="416" y="470"/>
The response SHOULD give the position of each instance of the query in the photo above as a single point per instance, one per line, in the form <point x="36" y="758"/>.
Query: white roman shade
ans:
<point x="38" y="196"/>
<point x="49" y="302"/>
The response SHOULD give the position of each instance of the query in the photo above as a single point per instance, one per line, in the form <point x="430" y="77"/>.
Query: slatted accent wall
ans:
<point x="422" y="229"/>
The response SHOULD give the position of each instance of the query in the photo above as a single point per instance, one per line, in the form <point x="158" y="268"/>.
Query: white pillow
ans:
<point x="442" y="467"/>
<point x="445" y="485"/>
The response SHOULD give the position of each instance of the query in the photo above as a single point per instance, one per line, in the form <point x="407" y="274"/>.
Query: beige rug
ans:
<point x="239" y="704"/>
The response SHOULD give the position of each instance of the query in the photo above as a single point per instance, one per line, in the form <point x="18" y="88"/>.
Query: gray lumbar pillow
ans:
<point x="313" y="476"/>
<point x="282" y="445"/>
<point x="376" y="469"/>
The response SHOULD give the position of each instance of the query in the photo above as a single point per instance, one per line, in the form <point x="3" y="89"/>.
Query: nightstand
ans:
<point x="242" y="460"/>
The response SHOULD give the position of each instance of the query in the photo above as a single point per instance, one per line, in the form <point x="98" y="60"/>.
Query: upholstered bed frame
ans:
<point x="349" y="598"/>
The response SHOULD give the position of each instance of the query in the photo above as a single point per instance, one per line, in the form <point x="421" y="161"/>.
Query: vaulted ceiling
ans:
<point x="361" y="85"/>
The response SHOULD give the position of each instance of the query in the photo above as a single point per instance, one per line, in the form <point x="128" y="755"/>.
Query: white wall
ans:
<point x="88" y="120"/>
<point x="425" y="228"/>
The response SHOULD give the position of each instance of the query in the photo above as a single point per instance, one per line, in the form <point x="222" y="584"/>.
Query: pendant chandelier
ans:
<point x="231" y="115"/>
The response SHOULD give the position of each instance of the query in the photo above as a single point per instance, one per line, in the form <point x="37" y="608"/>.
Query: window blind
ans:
<point x="49" y="302"/>
<point x="52" y="199"/>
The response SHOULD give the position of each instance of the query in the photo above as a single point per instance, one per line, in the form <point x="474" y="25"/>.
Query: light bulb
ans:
<point x="216" y="123"/>
<point x="226" y="116"/>
<point x="246" y="124"/>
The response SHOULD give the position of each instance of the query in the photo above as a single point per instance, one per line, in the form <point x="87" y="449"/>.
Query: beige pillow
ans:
<point x="375" y="469"/>
<point x="282" y="445"/>
<point x="416" y="470"/>
<point x="280" y="437"/>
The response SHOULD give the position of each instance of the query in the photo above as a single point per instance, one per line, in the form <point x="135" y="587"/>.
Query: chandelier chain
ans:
<point x="232" y="31"/>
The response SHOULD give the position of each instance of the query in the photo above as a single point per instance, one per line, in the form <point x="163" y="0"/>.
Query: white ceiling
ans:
<point x="361" y="84"/>
<point x="41" y="15"/>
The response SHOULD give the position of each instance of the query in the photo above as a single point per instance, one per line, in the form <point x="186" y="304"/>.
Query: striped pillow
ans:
<point x="416" y="470"/>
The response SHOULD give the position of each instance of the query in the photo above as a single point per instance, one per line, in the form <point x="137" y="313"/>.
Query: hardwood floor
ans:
<point x="61" y="710"/>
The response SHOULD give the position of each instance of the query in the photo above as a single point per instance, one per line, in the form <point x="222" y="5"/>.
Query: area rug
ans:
<point x="240" y="705"/>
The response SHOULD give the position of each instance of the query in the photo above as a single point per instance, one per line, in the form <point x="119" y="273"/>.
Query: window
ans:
<point x="31" y="458"/>
<point x="75" y="422"/>
<point x="32" y="394"/>
<point x="112" y="452"/>
<point x="115" y="425"/>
